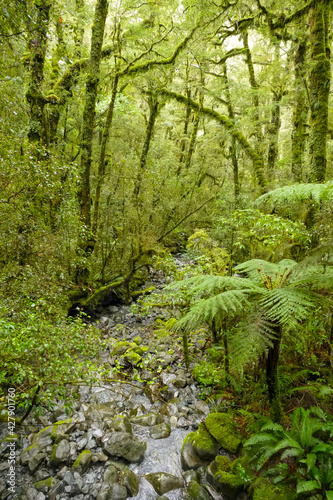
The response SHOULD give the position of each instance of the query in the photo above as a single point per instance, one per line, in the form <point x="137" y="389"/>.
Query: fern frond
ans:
<point x="226" y="304"/>
<point x="272" y="426"/>
<point x="288" y="305"/>
<point x="254" y="336"/>
<point x="251" y="268"/>
<point x="296" y="193"/>
<point x="212" y="284"/>
<point x="291" y="452"/>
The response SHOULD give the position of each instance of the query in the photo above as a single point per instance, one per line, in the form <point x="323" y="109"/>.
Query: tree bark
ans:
<point x="89" y="114"/>
<point x="272" y="375"/>
<point x="319" y="87"/>
<point x="37" y="48"/>
<point x="233" y="139"/>
<point x="153" y="111"/>
<point x="273" y="131"/>
<point x="300" y="114"/>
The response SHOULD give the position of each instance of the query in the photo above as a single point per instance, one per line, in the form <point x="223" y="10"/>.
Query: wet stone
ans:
<point x="160" y="431"/>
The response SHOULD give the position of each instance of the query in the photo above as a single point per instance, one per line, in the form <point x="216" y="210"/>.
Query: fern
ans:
<point x="296" y="193"/>
<point x="288" y="305"/>
<point x="226" y="304"/>
<point x="205" y="284"/>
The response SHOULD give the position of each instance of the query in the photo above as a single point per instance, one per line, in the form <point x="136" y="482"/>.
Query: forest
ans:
<point x="166" y="250"/>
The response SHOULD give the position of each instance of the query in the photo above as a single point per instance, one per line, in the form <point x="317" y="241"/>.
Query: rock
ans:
<point x="130" y="481"/>
<point x="117" y="492"/>
<point x="223" y="475"/>
<point x="197" y="492"/>
<point x="189" y="459"/>
<point x="191" y="475"/>
<point x="163" y="482"/>
<point x="57" y="489"/>
<point x="99" y="457"/>
<point x="180" y="382"/>
<point x="83" y="461"/>
<point x="169" y="409"/>
<point x="263" y="489"/>
<point x="148" y="420"/>
<point x="36" y="461"/>
<point x="42" y="474"/>
<point x="223" y="428"/>
<point x="30" y="453"/>
<point x="74" y="481"/>
<point x="43" y="437"/>
<point x="99" y="412"/>
<point x="45" y="484"/>
<point x="132" y="357"/>
<point x="204" y="445"/>
<point x="167" y="378"/>
<point x="60" y="453"/>
<point x="123" y="445"/>
<point x="119" y="424"/>
<point x="160" y="431"/>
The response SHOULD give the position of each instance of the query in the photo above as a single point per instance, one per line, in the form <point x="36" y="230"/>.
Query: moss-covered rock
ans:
<point x="204" y="445"/>
<point x="120" y="423"/>
<point x="132" y="357"/>
<point x="197" y="492"/>
<point x="130" y="481"/>
<point x="82" y="462"/>
<point x="45" y="484"/>
<point x="223" y="428"/>
<point x="60" y="453"/>
<point x="229" y="478"/>
<point x="189" y="458"/>
<point x="262" y="489"/>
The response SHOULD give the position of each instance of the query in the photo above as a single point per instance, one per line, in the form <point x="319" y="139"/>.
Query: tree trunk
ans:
<point x="272" y="375"/>
<point x="300" y="114"/>
<point x="273" y="130"/>
<point x="255" y="95"/>
<point x="37" y="48"/>
<point x="89" y="116"/>
<point x="183" y="141"/>
<point x="319" y="87"/>
<point x="153" y="111"/>
<point x="233" y="149"/>
<point x="102" y="162"/>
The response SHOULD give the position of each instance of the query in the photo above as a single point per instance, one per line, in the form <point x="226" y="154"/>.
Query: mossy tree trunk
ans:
<point x="273" y="131"/>
<point x="194" y="134"/>
<point x="319" y="87"/>
<point x="255" y="95"/>
<point x="233" y="149"/>
<point x="272" y="379"/>
<point x="153" y="111"/>
<point x="300" y="113"/>
<point x="84" y="194"/>
<point x="37" y="50"/>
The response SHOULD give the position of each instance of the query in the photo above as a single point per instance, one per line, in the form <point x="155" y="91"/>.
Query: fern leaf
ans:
<point x="290" y="452"/>
<point x="288" y="305"/>
<point x="226" y="304"/>
<point x="296" y="193"/>
<point x="307" y="486"/>
<point x="251" y="267"/>
<point x="259" y="439"/>
<point x="212" y="284"/>
<point x="272" y="426"/>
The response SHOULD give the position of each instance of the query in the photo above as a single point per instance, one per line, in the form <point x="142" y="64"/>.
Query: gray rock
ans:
<point x="119" y="424"/>
<point x="130" y="481"/>
<point x="197" y="492"/>
<point x="60" y="453"/>
<point x="42" y="474"/>
<point x="163" y="482"/>
<point x="30" y="453"/>
<point x="189" y="459"/>
<point x="36" y="461"/>
<point x="82" y="462"/>
<point x="160" y="431"/>
<point x="148" y="420"/>
<point x="180" y="382"/>
<point x="123" y="445"/>
<point x="167" y="378"/>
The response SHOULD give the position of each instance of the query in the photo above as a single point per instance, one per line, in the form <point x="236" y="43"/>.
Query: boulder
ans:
<point x="148" y="420"/>
<point x="119" y="424"/>
<point x="130" y="481"/>
<point x="60" y="453"/>
<point x="224" y="476"/>
<point x="160" y="431"/>
<point x="82" y="462"/>
<point x="197" y="492"/>
<point x="123" y="445"/>
<point x="109" y="479"/>
<point x="223" y="428"/>
<point x="163" y="482"/>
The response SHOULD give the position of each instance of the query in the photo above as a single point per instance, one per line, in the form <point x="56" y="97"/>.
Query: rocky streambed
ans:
<point x="147" y="437"/>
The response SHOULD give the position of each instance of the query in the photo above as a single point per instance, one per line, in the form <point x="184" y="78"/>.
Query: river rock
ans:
<point x="82" y="462"/>
<point x="60" y="453"/>
<point x="119" y="424"/>
<point x="163" y="482"/>
<point x="148" y="420"/>
<point x="30" y="453"/>
<point x="123" y="445"/>
<point x="160" y="431"/>
<point x="223" y="428"/>
<point x="223" y="475"/>
<point x="130" y="481"/>
<point x="189" y="458"/>
<point x="109" y="479"/>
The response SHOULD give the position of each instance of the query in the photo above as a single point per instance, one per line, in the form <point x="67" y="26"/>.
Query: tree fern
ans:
<point x="296" y="192"/>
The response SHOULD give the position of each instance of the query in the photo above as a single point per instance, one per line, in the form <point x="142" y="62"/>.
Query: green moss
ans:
<point x="222" y="427"/>
<point x="44" y="483"/>
<point x="132" y="357"/>
<point x="202" y="438"/>
<point x="82" y="460"/>
<point x="262" y="489"/>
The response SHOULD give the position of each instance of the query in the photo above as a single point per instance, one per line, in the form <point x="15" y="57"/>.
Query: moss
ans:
<point x="44" y="483"/>
<point x="222" y="427"/>
<point x="203" y="443"/>
<point x="132" y="357"/>
<point x="83" y="460"/>
<point x="262" y="489"/>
